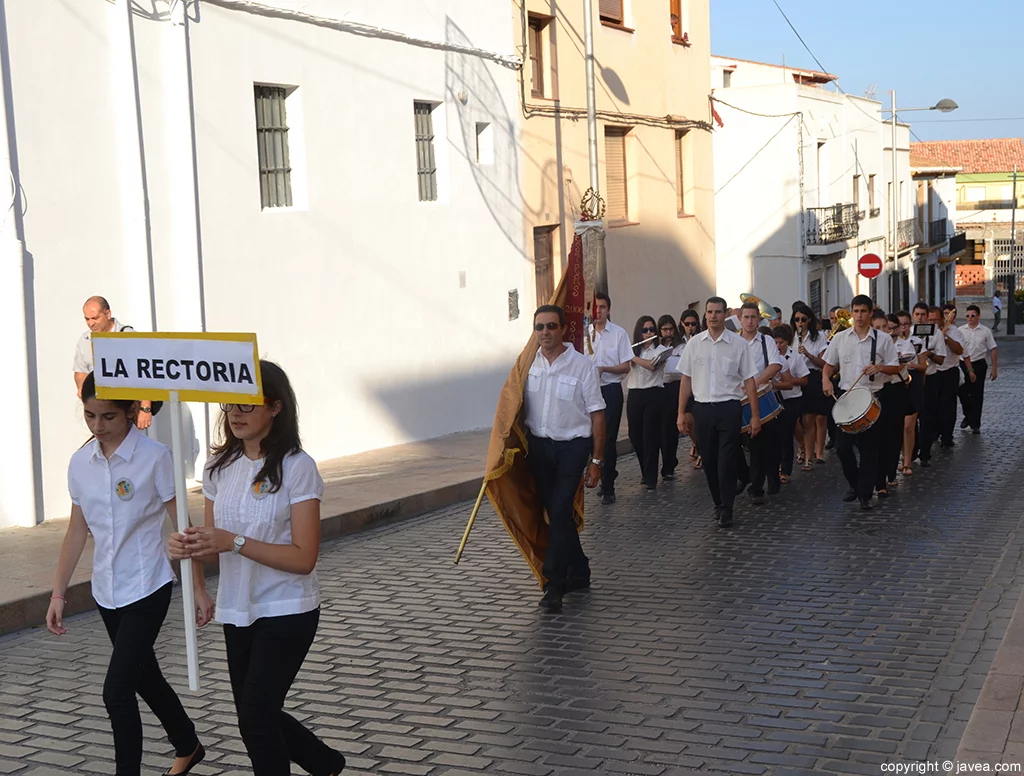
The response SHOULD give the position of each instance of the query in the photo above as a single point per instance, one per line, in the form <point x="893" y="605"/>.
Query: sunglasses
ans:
<point x="689" y="323"/>
<point x="244" y="408"/>
<point x="972" y="315"/>
<point x="648" y="330"/>
<point x="550" y="326"/>
<point x="801" y="319"/>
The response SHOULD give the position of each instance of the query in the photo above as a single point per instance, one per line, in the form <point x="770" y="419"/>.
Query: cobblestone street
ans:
<point x="812" y="638"/>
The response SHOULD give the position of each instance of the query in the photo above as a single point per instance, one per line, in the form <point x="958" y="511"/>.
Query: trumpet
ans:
<point x="844" y="320"/>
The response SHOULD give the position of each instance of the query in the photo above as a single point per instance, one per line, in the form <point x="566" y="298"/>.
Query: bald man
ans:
<point x="98" y="317"/>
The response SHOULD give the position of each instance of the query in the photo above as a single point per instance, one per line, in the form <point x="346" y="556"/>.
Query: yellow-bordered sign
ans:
<point x="200" y="366"/>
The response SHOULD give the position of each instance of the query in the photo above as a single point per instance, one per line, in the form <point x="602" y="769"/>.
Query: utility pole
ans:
<point x="894" y="197"/>
<point x="1011" y="295"/>
<point x="601" y="279"/>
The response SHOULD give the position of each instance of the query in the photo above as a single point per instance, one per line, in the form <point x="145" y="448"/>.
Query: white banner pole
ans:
<point x="187" y="592"/>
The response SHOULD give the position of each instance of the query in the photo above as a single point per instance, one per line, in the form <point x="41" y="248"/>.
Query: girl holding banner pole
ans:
<point x="122" y="489"/>
<point x="263" y="519"/>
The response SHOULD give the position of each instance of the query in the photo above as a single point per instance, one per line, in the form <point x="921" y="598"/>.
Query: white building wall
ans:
<point x="357" y="291"/>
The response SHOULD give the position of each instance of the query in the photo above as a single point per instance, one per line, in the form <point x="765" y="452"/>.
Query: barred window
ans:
<point x="272" y="146"/>
<point x="426" y="164"/>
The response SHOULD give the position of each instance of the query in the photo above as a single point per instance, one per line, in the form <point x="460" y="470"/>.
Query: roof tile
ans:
<point x="976" y="156"/>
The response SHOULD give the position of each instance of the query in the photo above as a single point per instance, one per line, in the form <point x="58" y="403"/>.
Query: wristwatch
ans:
<point x="239" y="543"/>
<point x="597" y="462"/>
<point x="147" y="410"/>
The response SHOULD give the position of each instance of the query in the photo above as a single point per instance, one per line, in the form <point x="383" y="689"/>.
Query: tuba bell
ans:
<point x="766" y="310"/>
<point x="844" y="320"/>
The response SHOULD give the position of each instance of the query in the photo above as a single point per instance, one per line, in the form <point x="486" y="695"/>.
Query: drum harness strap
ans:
<point x="874" y="345"/>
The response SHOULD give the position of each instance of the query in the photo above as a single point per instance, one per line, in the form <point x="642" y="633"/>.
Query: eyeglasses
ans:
<point x="689" y="323"/>
<point x="668" y="328"/>
<point x="801" y="318"/>
<point x="648" y="330"/>
<point x="244" y="408"/>
<point x="550" y="326"/>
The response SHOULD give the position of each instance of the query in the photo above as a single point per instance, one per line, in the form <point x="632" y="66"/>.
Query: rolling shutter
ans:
<point x="615" y="173"/>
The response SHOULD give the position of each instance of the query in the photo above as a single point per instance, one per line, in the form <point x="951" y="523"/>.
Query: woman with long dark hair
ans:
<point x="645" y="402"/>
<point x="122" y="490"/>
<point x="810" y="343"/>
<point x="671" y="339"/>
<point x="263" y="497"/>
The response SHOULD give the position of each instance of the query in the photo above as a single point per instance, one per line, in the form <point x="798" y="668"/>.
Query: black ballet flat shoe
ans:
<point x="197" y="757"/>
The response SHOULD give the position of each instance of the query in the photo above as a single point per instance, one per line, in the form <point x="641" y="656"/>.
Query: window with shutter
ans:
<point x="680" y="171"/>
<point x="426" y="166"/>
<point x="615" y="172"/>
<point x="536" y="43"/>
<point x="543" y="261"/>
<point x="272" y="146"/>
<point x="676" y="17"/>
<point x="611" y="11"/>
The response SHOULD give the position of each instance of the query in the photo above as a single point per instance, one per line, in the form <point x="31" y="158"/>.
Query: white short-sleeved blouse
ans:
<point x="248" y="590"/>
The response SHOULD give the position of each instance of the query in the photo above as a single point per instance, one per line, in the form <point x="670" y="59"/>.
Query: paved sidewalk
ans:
<point x="368" y="488"/>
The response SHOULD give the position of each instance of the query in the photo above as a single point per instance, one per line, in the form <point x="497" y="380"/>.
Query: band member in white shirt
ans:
<point x="766" y="449"/>
<point x="671" y="339"/>
<point x="689" y="325"/>
<point x="645" y="398"/>
<point x="122" y="491"/>
<point x="935" y="353"/>
<point x="865" y="357"/>
<point x="947" y="374"/>
<point x="910" y="352"/>
<point x="981" y="346"/>
<point x="893" y="398"/>
<point x="612" y="357"/>
<point x="810" y="343"/>
<point x="262" y="520"/>
<point x="793" y="401"/>
<point x="718" y="370"/>
<point x="564" y="418"/>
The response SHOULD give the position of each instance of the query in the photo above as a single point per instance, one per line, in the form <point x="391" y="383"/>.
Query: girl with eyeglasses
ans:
<point x="812" y="431"/>
<point x="690" y="326"/>
<point x="262" y="520"/>
<point x="122" y="490"/>
<point x="645" y="402"/>
<point x="672" y="340"/>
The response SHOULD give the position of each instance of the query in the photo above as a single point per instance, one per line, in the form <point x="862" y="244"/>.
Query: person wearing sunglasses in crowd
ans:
<point x="645" y="401"/>
<point x="122" y="490"/>
<point x="810" y="342"/>
<point x="980" y="346"/>
<point x="690" y="325"/>
<point x="671" y="339"/>
<point x="262" y="521"/>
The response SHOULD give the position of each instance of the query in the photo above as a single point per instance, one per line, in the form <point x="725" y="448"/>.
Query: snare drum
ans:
<point x="768" y="403"/>
<point x="856" y="411"/>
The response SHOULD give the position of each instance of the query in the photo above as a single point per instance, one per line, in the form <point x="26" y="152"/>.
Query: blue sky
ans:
<point x="924" y="49"/>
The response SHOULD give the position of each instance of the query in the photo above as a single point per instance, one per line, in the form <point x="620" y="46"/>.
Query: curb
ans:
<point x="30" y="612"/>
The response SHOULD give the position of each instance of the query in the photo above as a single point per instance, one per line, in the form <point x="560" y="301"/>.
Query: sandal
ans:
<point x="807" y="467"/>
<point x="800" y="458"/>
<point x="699" y="463"/>
<point x="820" y="460"/>
<point x="693" y="452"/>
<point x="784" y="479"/>
<point x="907" y="471"/>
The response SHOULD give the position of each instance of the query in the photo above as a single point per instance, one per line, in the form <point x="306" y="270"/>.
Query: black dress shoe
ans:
<point x="756" y="499"/>
<point x="552" y="600"/>
<point x="865" y="505"/>
<point x="197" y="757"/>
<point x="883" y="493"/>
<point x="975" y="430"/>
<point x="651" y="485"/>
<point x="579" y="583"/>
<point x="608" y="498"/>
<point x="725" y="519"/>
<point x="964" y="423"/>
<point x="339" y="766"/>
<point x="926" y="462"/>
<point x="850" y="497"/>
<point x="717" y="514"/>
<point x="669" y="476"/>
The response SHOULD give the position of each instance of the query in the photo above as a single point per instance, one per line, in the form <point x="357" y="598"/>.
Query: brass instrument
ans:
<point x="844" y="320"/>
<point x="766" y="310"/>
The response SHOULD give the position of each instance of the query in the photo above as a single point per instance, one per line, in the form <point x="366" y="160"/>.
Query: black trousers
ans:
<point x="928" y="416"/>
<point x="557" y="468"/>
<point x="949" y="385"/>
<point x="717" y="426"/>
<point x="793" y="410"/>
<point x="670" y="429"/>
<point x="133" y="670"/>
<point x="644" y="410"/>
<point x="765" y="452"/>
<point x="893" y="398"/>
<point x="612" y="420"/>
<point x="972" y="395"/>
<point x="263" y="661"/>
<point x="861" y="476"/>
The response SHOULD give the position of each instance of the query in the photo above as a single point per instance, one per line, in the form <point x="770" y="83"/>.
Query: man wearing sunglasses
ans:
<point x="565" y="430"/>
<point x="978" y="344"/>
<point x="612" y="356"/>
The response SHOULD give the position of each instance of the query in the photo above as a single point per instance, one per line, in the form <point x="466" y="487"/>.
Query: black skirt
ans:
<point x="816" y="402"/>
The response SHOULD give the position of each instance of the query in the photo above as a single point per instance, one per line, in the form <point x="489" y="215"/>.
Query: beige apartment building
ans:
<point x="654" y="146"/>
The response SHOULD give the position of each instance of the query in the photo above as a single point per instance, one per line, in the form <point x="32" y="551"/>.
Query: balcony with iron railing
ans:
<point x="906" y="233"/>
<point x="937" y="232"/>
<point x="829" y="225"/>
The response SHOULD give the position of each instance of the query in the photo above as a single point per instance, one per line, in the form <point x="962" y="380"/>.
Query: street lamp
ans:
<point x="943" y="106"/>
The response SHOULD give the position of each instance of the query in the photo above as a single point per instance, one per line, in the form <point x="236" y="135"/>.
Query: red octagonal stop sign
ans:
<point x="870" y="265"/>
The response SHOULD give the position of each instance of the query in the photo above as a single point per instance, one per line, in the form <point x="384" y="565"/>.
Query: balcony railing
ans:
<point x="831" y="224"/>
<point x="905" y="233"/>
<point x="937" y="231"/>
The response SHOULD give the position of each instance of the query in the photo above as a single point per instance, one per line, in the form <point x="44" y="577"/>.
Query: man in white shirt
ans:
<point x="99" y="319"/>
<point x="718" y="370"/>
<point x="979" y="344"/>
<point x="766" y="449"/>
<point x="865" y="358"/>
<point x="564" y="417"/>
<point x="997" y="310"/>
<point x="935" y="352"/>
<point x="612" y="356"/>
<point x="947" y="373"/>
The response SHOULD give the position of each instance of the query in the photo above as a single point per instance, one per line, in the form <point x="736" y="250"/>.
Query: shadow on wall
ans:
<point x="484" y="112"/>
<point x="458" y="399"/>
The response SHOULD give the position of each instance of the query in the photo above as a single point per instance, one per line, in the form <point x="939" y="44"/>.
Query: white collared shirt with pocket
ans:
<point x="852" y="354"/>
<point x="248" y="590"/>
<point x="560" y="396"/>
<point x="717" y="368"/>
<point x="83" y="349"/>
<point x="952" y="359"/>
<point x="979" y="341"/>
<point x="797" y="367"/>
<point x="122" y="499"/>
<point x="640" y="377"/>
<point x="611" y="348"/>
